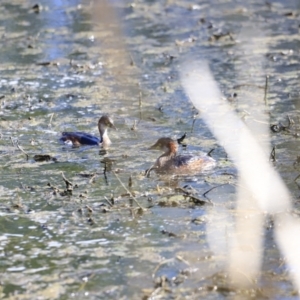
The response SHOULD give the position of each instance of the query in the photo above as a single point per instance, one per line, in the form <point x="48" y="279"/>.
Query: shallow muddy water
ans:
<point x="64" y="64"/>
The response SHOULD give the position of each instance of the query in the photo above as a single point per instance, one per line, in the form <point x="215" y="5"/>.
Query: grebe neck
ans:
<point x="103" y="135"/>
<point x="170" y="150"/>
<point x="165" y="158"/>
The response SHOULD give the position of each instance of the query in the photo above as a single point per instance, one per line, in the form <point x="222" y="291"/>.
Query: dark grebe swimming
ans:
<point x="82" y="138"/>
<point x="170" y="162"/>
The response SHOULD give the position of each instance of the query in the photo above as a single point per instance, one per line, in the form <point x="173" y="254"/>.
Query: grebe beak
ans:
<point x="113" y="127"/>
<point x="153" y="147"/>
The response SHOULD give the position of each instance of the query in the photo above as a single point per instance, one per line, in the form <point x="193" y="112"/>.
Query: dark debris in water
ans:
<point x="43" y="157"/>
<point x="168" y="233"/>
<point x="276" y="128"/>
<point x="221" y="35"/>
<point x="48" y="63"/>
<point x="36" y="8"/>
<point x="182" y="138"/>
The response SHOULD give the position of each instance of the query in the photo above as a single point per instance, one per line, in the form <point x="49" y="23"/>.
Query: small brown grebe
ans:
<point x="82" y="138"/>
<point x="170" y="162"/>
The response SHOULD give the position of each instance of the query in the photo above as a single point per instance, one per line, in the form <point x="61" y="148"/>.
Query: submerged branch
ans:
<point x="204" y="194"/>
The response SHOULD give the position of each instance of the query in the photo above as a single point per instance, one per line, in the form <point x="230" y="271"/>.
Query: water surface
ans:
<point x="61" y="69"/>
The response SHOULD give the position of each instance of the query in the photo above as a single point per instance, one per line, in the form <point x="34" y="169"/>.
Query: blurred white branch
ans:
<point x="261" y="188"/>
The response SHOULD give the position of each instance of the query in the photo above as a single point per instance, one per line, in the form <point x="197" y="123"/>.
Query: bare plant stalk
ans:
<point x="50" y="121"/>
<point x="21" y="149"/>
<point x="266" y="90"/>
<point x="123" y="185"/>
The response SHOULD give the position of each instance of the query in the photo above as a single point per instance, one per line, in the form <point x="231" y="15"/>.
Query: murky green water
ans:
<point x="60" y="70"/>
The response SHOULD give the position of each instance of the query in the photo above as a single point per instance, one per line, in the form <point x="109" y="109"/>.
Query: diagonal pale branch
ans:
<point x="127" y="190"/>
<point x="240" y="144"/>
<point x="265" y="192"/>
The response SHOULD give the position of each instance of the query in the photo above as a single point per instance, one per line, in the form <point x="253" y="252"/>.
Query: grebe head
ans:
<point x="104" y="123"/>
<point x="165" y="144"/>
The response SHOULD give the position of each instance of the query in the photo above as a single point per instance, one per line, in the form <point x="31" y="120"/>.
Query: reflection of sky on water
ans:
<point x="50" y="33"/>
<point x="58" y="17"/>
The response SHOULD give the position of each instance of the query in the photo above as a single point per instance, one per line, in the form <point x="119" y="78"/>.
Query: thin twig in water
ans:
<point x="198" y="201"/>
<point x="12" y="141"/>
<point x="266" y="90"/>
<point x="290" y="122"/>
<point x="147" y="173"/>
<point x="247" y="84"/>
<point x="193" y="125"/>
<point x="204" y="194"/>
<point x="181" y="139"/>
<point x="166" y="261"/>
<point x="21" y="149"/>
<point x="132" y="63"/>
<point x="92" y="178"/>
<point x="273" y="154"/>
<point x="132" y="213"/>
<point x="110" y="204"/>
<point x="104" y="173"/>
<point x="195" y="199"/>
<point x="140" y="99"/>
<point x="68" y="183"/>
<point x="140" y="104"/>
<point x="134" y="127"/>
<point x="123" y="185"/>
<point x="210" y="152"/>
<point x="180" y="258"/>
<point x="51" y="117"/>
<point x="297" y="178"/>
